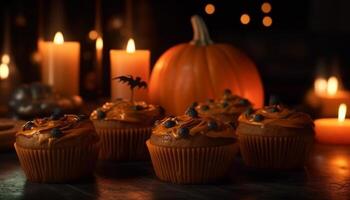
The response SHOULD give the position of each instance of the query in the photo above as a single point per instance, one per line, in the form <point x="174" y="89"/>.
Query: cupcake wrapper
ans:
<point x="57" y="165"/>
<point x="196" y="165"/>
<point x="271" y="152"/>
<point x="124" y="144"/>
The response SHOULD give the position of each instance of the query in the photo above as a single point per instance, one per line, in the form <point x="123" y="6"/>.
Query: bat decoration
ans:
<point x="132" y="83"/>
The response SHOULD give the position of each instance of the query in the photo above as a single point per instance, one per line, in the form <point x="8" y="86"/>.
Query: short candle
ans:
<point x="332" y="130"/>
<point x="327" y="96"/>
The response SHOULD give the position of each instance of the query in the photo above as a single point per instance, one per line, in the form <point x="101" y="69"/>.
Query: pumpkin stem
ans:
<point x="200" y="32"/>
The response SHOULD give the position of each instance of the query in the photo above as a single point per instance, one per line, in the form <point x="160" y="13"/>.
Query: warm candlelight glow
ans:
<point x="99" y="43"/>
<point x="209" y="9"/>
<point x="266" y="7"/>
<point x="320" y="86"/>
<point x="342" y="112"/>
<point x="93" y="35"/>
<point x="332" y="86"/>
<point x="339" y="165"/>
<point x="245" y="19"/>
<point x="5" y="59"/>
<point x="58" y="39"/>
<point x="130" y="47"/>
<point x="4" y="71"/>
<point x="267" y="21"/>
<point x="333" y="130"/>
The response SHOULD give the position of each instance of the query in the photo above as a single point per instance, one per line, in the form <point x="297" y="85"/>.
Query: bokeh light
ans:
<point x="93" y="35"/>
<point x="266" y="7"/>
<point x="209" y="9"/>
<point x="245" y="19"/>
<point x="267" y="21"/>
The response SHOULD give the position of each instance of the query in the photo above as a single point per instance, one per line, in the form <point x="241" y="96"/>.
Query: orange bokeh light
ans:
<point x="209" y="9"/>
<point x="245" y="19"/>
<point x="267" y="21"/>
<point x="266" y="7"/>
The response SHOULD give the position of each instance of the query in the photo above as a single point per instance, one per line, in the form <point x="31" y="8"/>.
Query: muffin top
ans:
<point x="227" y="108"/>
<point x="276" y="116"/>
<point x="128" y="111"/>
<point x="191" y="130"/>
<point x="57" y="131"/>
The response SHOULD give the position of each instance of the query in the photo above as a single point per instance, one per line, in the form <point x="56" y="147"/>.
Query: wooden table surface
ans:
<point x="326" y="176"/>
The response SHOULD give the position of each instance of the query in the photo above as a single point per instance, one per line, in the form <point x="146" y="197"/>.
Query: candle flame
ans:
<point x="342" y="112"/>
<point x="332" y="86"/>
<point x="130" y="47"/>
<point x="99" y="43"/>
<point x="4" y="71"/>
<point x="58" y="39"/>
<point x="320" y="86"/>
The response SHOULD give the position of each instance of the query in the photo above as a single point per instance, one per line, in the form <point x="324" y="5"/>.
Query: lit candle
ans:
<point x="332" y="130"/>
<point x="4" y="71"/>
<point x="99" y="50"/>
<point x="60" y="64"/>
<point x="327" y="96"/>
<point x="8" y="81"/>
<point x="129" y="62"/>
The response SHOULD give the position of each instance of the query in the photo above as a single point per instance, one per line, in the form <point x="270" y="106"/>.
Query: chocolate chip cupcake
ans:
<point x="275" y="137"/>
<point x="57" y="149"/>
<point x="124" y="126"/>
<point x="227" y="108"/>
<point x="191" y="149"/>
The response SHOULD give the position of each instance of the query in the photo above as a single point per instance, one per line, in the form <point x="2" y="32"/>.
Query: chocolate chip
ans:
<point x="212" y="125"/>
<point x="183" y="132"/>
<point x="28" y="126"/>
<point x="169" y="123"/>
<point x="258" y="118"/>
<point x="100" y="114"/>
<point x="192" y="112"/>
<point x="56" y="132"/>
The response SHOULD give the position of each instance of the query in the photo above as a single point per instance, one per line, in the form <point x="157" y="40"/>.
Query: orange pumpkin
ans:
<point x="200" y="70"/>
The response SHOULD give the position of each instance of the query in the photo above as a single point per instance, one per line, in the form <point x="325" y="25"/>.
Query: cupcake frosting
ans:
<point x="127" y="111"/>
<point x="224" y="108"/>
<point x="56" y="131"/>
<point x="276" y="115"/>
<point x="191" y="130"/>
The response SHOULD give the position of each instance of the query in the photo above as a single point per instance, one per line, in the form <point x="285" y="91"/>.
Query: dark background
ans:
<point x="305" y="34"/>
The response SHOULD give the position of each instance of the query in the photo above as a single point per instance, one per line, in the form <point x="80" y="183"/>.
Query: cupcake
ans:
<point x="227" y="108"/>
<point x="275" y="137"/>
<point x="191" y="149"/>
<point x="124" y="126"/>
<point x="61" y="148"/>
